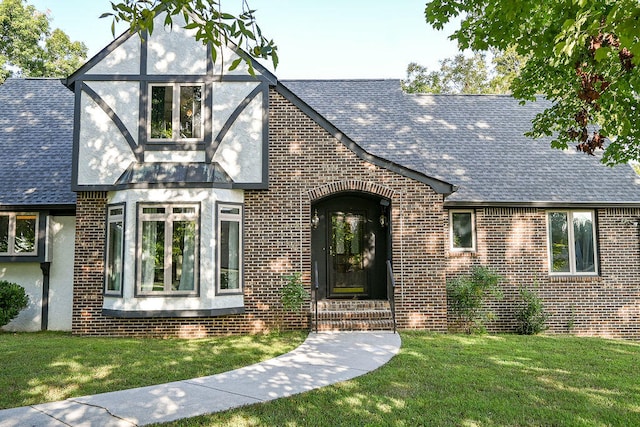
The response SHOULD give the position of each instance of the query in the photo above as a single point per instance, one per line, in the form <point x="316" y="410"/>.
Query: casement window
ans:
<point x="175" y="112"/>
<point x="462" y="232"/>
<point x="229" y="254"/>
<point x="572" y="242"/>
<point x="18" y="234"/>
<point x="168" y="248"/>
<point x="115" y="247"/>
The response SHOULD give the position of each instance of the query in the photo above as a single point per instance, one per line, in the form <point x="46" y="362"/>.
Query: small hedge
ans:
<point x="13" y="299"/>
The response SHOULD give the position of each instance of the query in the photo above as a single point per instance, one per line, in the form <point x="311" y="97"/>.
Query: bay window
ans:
<point x="175" y="112"/>
<point x="229" y="254"/>
<point x="168" y="248"/>
<point x="572" y="242"/>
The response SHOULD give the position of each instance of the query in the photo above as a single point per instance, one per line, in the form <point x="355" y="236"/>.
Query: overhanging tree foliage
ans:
<point x="583" y="55"/>
<point x="212" y="25"/>
<point x="28" y="47"/>
<point x="466" y="74"/>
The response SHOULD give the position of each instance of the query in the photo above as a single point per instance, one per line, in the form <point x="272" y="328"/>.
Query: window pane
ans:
<point x="184" y="210"/>
<point x="161" y="111"/>
<point x="153" y="210"/>
<point x="114" y="256"/>
<point x="583" y="236"/>
<point x="152" y="256"/>
<point x="25" y="233"/>
<point x="229" y="255"/>
<point x="559" y="242"/>
<point x="183" y="256"/>
<point x="4" y="233"/>
<point x="190" y="112"/>
<point x="462" y="230"/>
<point x="225" y="210"/>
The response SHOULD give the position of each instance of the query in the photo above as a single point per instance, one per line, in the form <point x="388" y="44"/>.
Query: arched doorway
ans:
<point x="350" y="245"/>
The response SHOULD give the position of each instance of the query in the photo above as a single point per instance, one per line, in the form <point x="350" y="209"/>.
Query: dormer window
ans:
<point x="175" y="112"/>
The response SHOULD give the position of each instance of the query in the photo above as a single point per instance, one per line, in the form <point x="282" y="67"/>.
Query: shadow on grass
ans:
<point x="44" y="367"/>
<point x="471" y="381"/>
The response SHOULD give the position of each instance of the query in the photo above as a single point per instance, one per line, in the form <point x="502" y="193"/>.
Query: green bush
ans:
<point x="467" y="294"/>
<point x="293" y="292"/>
<point x="531" y="316"/>
<point x="12" y="300"/>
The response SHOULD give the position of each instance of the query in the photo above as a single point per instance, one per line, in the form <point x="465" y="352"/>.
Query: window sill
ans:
<point x="139" y="314"/>
<point x="462" y="253"/>
<point x="574" y="278"/>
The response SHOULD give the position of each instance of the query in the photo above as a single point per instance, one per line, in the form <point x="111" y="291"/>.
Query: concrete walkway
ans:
<point x="323" y="359"/>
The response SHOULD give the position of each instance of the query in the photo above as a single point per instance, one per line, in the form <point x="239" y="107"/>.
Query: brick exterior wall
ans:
<point x="513" y="242"/>
<point x="306" y="164"/>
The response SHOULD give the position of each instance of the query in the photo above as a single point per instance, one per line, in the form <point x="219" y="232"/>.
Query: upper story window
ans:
<point x="175" y="112"/>
<point x="572" y="242"/>
<point x="18" y="234"/>
<point x="462" y="230"/>
<point x="168" y="248"/>
<point x="115" y="247"/>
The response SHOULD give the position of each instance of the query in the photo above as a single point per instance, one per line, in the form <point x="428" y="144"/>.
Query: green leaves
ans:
<point x="584" y="56"/>
<point x="212" y="26"/>
<point x="29" y="47"/>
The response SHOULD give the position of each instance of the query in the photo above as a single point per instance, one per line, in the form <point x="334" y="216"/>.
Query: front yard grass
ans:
<point x="456" y="380"/>
<point x="44" y="367"/>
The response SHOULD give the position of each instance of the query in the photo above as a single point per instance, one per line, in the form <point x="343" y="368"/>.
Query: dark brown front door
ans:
<point x="350" y="242"/>
<point x="349" y="246"/>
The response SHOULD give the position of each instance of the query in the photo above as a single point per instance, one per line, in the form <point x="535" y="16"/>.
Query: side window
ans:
<point x="462" y="230"/>
<point x="115" y="247"/>
<point x="572" y="242"/>
<point x="229" y="254"/>
<point x="18" y="234"/>
<point x="168" y="248"/>
<point x="175" y="112"/>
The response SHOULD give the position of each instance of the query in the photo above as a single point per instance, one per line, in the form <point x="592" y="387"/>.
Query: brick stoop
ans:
<point x="354" y="315"/>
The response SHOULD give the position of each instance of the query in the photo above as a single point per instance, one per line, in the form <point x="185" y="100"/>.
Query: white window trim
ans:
<point x="168" y="217"/>
<point x="239" y="217"/>
<point x="571" y="242"/>
<point x="12" y="235"/>
<point x="110" y="219"/>
<point x="473" y="231"/>
<point x="175" y="112"/>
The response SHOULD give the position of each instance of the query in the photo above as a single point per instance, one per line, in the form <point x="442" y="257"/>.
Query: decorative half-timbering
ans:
<point x="173" y="141"/>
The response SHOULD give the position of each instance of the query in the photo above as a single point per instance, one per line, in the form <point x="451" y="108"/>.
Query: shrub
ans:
<point x="293" y="292"/>
<point x="467" y="294"/>
<point x="12" y="300"/>
<point x="531" y="317"/>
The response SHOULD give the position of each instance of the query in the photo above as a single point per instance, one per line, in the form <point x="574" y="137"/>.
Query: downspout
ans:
<point x="46" y="269"/>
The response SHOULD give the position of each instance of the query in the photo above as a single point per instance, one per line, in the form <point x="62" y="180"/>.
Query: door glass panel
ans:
<point x="347" y="272"/>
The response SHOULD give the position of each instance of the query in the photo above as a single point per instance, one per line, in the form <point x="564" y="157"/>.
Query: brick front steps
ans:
<point x="353" y="315"/>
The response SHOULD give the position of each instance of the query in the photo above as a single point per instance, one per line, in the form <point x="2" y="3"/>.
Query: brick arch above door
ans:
<point x="325" y="190"/>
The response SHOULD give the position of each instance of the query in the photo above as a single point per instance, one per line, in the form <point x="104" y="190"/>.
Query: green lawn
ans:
<point x="45" y="367"/>
<point x="455" y="380"/>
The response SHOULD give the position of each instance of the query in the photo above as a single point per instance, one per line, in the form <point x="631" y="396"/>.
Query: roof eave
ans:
<point x="538" y="204"/>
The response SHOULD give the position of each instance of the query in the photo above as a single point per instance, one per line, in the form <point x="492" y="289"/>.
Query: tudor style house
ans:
<point x="153" y="192"/>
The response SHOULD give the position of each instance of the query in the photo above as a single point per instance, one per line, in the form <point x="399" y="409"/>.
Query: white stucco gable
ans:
<point x="168" y="81"/>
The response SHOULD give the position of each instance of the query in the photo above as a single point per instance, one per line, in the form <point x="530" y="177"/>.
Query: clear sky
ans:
<point x="319" y="39"/>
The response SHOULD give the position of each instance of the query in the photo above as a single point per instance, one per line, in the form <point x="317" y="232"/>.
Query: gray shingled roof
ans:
<point x="36" y="140"/>
<point x="474" y="142"/>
